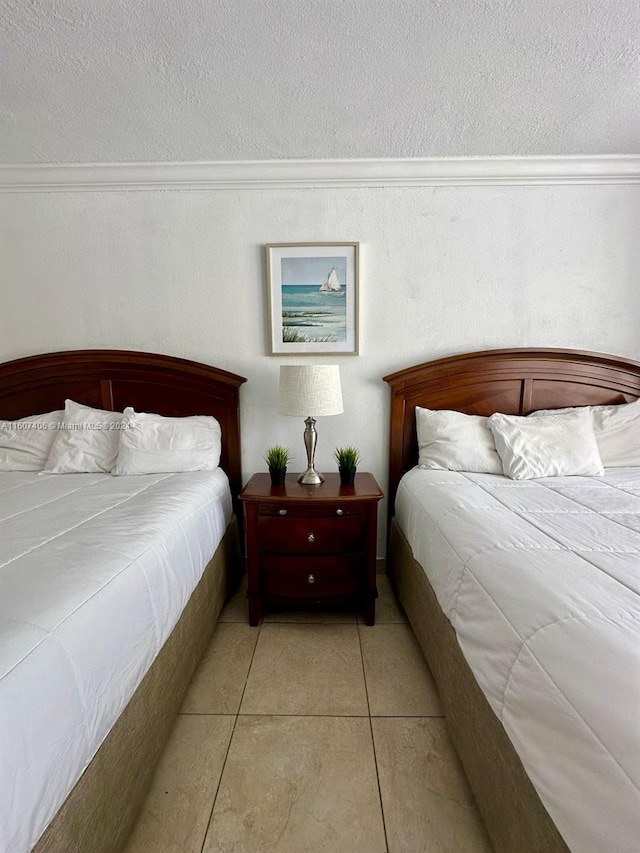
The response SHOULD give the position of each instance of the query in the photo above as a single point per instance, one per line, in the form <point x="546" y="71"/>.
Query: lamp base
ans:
<point x="311" y="477"/>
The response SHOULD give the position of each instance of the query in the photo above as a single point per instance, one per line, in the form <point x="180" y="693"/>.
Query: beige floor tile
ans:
<point x="298" y="785"/>
<point x="388" y="611"/>
<point x="399" y="682"/>
<point x="235" y="610"/>
<point x="176" y="813"/>
<point x="217" y="686"/>
<point x="306" y="669"/>
<point x="321" y="616"/>
<point x="427" y="803"/>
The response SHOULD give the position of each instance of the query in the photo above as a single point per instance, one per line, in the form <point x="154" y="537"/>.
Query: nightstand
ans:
<point x="311" y="544"/>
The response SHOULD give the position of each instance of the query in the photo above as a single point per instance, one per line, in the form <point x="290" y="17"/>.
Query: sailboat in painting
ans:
<point x="331" y="284"/>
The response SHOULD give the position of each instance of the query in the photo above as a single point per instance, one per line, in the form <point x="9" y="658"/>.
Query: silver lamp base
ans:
<point x="310" y="477"/>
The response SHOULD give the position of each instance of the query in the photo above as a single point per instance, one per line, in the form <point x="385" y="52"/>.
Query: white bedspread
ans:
<point x="540" y="580"/>
<point x="95" y="571"/>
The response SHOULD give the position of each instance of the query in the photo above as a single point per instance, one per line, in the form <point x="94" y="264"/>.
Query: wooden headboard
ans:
<point x="512" y="381"/>
<point x="114" y="379"/>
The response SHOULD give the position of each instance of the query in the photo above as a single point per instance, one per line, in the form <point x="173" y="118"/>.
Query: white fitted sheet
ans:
<point x="540" y="580"/>
<point x="95" y="571"/>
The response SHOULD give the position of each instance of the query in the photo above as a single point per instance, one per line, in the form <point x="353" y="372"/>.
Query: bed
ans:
<point x="525" y="809"/>
<point x="100" y="807"/>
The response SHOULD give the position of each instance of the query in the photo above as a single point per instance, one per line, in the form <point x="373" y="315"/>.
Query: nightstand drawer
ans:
<point x="311" y="577"/>
<point x="285" y="509"/>
<point x="308" y="535"/>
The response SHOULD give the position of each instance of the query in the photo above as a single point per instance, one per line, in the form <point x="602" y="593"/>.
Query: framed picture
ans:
<point x="313" y="298"/>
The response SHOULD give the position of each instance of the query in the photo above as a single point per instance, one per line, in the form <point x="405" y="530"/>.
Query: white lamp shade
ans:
<point x="310" y="390"/>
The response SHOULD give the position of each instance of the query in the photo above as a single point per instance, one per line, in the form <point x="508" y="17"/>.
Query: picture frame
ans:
<point x="313" y="291"/>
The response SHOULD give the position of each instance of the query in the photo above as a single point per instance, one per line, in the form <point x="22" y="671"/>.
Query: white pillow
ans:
<point x="152" y="444"/>
<point x="455" y="442"/>
<point x="617" y="431"/>
<point x="25" y="443"/>
<point x="551" y="446"/>
<point x="87" y="441"/>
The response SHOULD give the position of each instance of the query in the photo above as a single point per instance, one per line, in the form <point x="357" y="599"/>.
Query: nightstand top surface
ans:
<point x="259" y="488"/>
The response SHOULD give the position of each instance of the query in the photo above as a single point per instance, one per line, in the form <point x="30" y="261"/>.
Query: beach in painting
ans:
<point x="309" y="315"/>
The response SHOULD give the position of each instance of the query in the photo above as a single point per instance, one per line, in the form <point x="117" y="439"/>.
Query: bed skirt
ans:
<point x="101" y="810"/>
<point x="514" y="815"/>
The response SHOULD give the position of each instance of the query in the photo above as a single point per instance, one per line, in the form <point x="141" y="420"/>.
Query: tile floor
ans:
<point x="310" y="733"/>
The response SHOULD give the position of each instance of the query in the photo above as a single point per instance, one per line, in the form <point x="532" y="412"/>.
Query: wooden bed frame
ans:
<point x="512" y="381"/>
<point x="101" y="810"/>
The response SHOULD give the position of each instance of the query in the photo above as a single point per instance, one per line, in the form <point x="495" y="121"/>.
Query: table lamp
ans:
<point x="310" y="390"/>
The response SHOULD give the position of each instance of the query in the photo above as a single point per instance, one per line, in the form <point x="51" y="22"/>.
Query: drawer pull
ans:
<point x="282" y="512"/>
<point x="311" y="579"/>
<point x="339" y="512"/>
<point x="311" y="538"/>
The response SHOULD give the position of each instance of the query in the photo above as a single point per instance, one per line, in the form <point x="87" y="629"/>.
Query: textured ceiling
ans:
<point x="136" y="80"/>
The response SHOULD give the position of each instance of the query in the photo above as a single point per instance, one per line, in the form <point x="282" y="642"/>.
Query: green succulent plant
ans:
<point x="277" y="458"/>
<point x="348" y="458"/>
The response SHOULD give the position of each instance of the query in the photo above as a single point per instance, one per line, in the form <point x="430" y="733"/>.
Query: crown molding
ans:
<point x="309" y="174"/>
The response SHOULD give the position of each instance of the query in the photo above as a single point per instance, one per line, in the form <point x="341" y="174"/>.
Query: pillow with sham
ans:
<point x="25" y="443"/>
<point x="87" y="441"/>
<point x="153" y="444"/>
<point x="616" y="428"/>
<point x="453" y="441"/>
<point x="551" y="446"/>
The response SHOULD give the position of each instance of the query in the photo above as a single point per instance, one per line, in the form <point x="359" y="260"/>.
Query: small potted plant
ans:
<point x="277" y="458"/>
<point x="348" y="459"/>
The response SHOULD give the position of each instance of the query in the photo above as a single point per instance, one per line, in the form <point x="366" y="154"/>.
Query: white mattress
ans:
<point x="540" y="580"/>
<point x="95" y="571"/>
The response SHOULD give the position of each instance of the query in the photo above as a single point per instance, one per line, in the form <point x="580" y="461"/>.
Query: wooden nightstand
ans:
<point x="311" y="544"/>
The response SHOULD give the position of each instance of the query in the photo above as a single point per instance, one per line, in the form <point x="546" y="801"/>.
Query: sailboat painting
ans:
<point x="313" y="297"/>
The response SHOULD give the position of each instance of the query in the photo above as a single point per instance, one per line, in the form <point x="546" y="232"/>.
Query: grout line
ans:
<point x="275" y="714"/>
<point x="233" y="731"/>
<point x="373" y="743"/>
<point x="315" y="716"/>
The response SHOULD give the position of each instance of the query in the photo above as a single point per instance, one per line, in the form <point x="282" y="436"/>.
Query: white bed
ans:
<point x="586" y="600"/>
<point x="96" y="570"/>
<point x="110" y="586"/>
<point x="540" y="580"/>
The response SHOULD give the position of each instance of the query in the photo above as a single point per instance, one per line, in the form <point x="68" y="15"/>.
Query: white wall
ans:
<point x="444" y="270"/>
